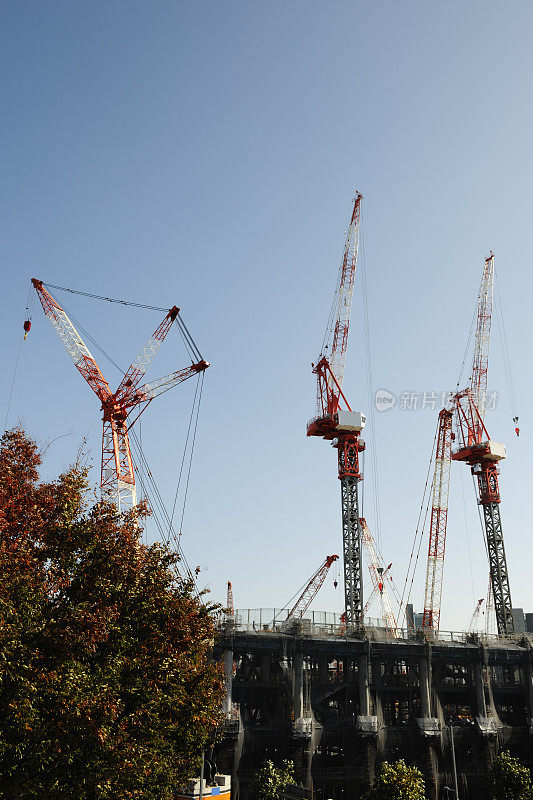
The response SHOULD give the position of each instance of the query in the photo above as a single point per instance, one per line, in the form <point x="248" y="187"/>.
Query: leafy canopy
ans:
<point x="508" y="780"/>
<point x="107" y="690"/>
<point x="397" y="781"/>
<point x="269" y="781"/>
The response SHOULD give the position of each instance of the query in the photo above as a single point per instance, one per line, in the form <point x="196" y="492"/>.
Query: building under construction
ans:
<point x="335" y="704"/>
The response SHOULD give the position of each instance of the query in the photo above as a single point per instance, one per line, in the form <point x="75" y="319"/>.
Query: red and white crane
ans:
<point x="124" y="406"/>
<point x="336" y="422"/>
<point x="472" y="625"/>
<point x="476" y="449"/>
<point x="438" y="522"/>
<point x="310" y="591"/>
<point x="378" y="574"/>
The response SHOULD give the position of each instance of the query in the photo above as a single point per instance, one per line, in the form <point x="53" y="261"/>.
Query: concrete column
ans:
<point x="481" y="705"/>
<point x="228" y="672"/>
<point x="425" y="698"/>
<point x="323" y="669"/>
<point x="364" y="688"/>
<point x="298" y="698"/>
<point x="265" y="667"/>
<point x="529" y="683"/>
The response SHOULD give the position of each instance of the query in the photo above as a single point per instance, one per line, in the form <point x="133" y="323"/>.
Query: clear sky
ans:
<point x="206" y="154"/>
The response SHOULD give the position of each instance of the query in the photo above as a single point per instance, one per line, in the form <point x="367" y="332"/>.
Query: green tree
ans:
<point x="107" y="691"/>
<point x="508" y="780"/>
<point x="397" y="781"/>
<point x="269" y="781"/>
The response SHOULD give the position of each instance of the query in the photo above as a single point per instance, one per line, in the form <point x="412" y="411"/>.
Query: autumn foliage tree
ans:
<point x="397" y="781"/>
<point x="107" y="690"/>
<point x="508" y="779"/>
<point x="268" y="782"/>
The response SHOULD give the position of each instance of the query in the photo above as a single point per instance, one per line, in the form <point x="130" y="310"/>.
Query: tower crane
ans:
<point x="336" y="422"/>
<point x="311" y="590"/>
<point x="230" y="609"/>
<point x="378" y="572"/>
<point x="490" y="620"/>
<point x="475" y="616"/>
<point x="476" y="449"/>
<point x="128" y="401"/>
<point x="438" y="521"/>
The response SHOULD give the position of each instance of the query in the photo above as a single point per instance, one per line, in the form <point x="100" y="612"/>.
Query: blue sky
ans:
<point x="206" y="154"/>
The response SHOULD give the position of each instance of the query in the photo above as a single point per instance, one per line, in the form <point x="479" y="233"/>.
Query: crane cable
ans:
<point x="200" y="386"/>
<point x="370" y="396"/>
<point x="29" y="311"/>
<point x="505" y="352"/>
<point x="468" y="343"/>
<point x="188" y="341"/>
<point x="467" y="538"/>
<point x="418" y="528"/>
<point x="107" y="299"/>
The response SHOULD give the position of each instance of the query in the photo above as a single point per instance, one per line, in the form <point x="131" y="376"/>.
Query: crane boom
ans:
<point x="480" y="364"/>
<point x="475" y="616"/>
<point x="138" y="368"/>
<point x="344" y="294"/>
<point x="439" y="517"/>
<point x="311" y="589"/>
<point x="73" y="343"/>
<point x="330" y="365"/>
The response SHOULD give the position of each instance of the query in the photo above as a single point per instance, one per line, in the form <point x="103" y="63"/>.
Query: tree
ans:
<point x="508" y="780"/>
<point x="269" y="781"/>
<point x="397" y="781"/>
<point x="107" y="690"/>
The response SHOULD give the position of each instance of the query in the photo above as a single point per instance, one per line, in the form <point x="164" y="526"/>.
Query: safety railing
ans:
<point x="330" y="624"/>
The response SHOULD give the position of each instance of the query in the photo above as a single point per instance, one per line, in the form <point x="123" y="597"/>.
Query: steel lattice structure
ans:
<point x="439" y="517"/>
<point x="129" y="400"/>
<point x="480" y="364"/>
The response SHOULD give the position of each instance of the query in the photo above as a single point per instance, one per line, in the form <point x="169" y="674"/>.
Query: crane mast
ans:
<point x="438" y="522"/>
<point x="130" y="399"/>
<point x="336" y="422"/>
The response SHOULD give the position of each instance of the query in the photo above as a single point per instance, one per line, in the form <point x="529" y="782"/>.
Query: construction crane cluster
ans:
<point x="461" y="436"/>
<point x="470" y="443"/>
